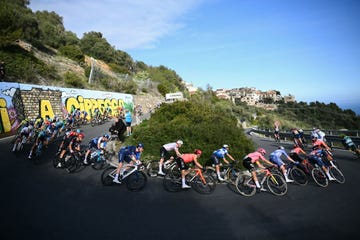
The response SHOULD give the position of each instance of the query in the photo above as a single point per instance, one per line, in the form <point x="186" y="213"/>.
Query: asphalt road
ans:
<point x="41" y="202"/>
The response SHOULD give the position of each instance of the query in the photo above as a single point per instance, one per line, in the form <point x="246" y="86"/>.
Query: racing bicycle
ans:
<point x="133" y="176"/>
<point x="273" y="182"/>
<point x="200" y="181"/>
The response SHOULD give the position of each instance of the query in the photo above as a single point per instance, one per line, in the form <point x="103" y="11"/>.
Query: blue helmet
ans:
<point x="140" y="145"/>
<point x="106" y="136"/>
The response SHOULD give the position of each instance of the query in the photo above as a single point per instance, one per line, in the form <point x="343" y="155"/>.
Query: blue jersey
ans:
<point x="278" y="152"/>
<point x="128" y="117"/>
<point x="220" y="153"/>
<point x="130" y="151"/>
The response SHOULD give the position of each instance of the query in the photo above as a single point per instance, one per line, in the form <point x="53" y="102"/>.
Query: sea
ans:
<point x="353" y="107"/>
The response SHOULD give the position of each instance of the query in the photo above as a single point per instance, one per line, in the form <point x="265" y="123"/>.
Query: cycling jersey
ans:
<point x="254" y="157"/>
<point x="220" y="153"/>
<point x="275" y="156"/>
<point x="170" y="146"/>
<point x="188" y="157"/>
<point x="128" y="153"/>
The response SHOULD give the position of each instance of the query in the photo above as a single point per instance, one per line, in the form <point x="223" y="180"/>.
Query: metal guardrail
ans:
<point x="331" y="138"/>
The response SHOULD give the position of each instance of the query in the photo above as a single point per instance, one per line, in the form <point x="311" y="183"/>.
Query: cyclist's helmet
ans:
<point x="261" y="150"/>
<point x="281" y="147"/>
<point x="197" y="151"/>
<point x="106" y="136"/>
<point x="81" y="135"/>
<point x="179" y="142"/>
<point x="295" y="146"/>
<point x="225" y="146"/>
<point x="78" y="130"/>
<point x="140" y="145"/>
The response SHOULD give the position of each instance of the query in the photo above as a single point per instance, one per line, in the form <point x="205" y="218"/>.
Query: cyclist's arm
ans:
<point x="177" y="152"/>
<point x="231" y="157"/>
<point x="197" y="163"/>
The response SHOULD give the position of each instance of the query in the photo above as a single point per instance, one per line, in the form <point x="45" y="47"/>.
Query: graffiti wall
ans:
<point x="21" y="101"/>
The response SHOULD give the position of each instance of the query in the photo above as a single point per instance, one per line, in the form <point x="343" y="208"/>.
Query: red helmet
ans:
<point x="262" y="151"/>
<point x="81" y="135"/>
<point x="197" y="151"/>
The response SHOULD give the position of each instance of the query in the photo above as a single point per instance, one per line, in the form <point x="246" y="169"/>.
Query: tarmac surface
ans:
<point x="42" y="202"/>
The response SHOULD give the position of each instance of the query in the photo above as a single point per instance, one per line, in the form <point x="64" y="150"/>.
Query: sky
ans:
<point x="306" y="48"/>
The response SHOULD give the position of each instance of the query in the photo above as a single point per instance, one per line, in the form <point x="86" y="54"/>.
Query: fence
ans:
<point x="332" y="136"/>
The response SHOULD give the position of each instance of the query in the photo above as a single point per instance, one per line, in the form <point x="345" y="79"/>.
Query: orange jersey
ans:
<point x="296" y="150"/>
<point x="188" y="157"/>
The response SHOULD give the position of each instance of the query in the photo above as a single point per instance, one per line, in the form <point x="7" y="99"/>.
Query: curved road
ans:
<point x="41" y="202"/>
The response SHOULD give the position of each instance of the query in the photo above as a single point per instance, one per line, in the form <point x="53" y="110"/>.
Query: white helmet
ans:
<point x="225" y="146"/>
<point x="179" y="142"/>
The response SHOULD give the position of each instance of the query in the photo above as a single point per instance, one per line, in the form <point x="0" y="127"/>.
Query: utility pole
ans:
<point x="92" y="70"/>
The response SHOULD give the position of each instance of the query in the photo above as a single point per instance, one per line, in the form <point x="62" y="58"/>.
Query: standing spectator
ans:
<point x="2" y="71"/>
<point x="128" y="120"/>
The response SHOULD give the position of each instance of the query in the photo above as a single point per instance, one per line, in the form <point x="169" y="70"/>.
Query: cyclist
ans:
<point x="296" y="152"/>
<point x="164" y="153"/>
<point x="216" y="157"/>
<point x="316" y="132"/>
<point x="69" y="136"/>
<point x="349" y="144"/>
<point x="183" y="160"/>
<point x="38" y="122"/>
<point x="275" y="157"/>
<point x="319" y="144"/>
<point x="96" y="143"/>
<point x="297" y="137"/>
<point x="276" y="133"/>
<point x="74" y="144"/>
<point x="84" y="115"/>
<point x="252" y="158"/>
<point x="315" y="157"/>
<point x="41" y="137"/>
<point x="129" y="154"/>
<point x="24" y="132"/>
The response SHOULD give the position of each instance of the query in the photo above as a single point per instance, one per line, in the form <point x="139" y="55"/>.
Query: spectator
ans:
<point x="128" y="120"/>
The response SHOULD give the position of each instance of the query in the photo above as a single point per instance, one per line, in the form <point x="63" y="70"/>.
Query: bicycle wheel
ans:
<point x="56" y="160"/>
<point x="298" y="176"/>
<point x="276" y="184"/>
<point x="337" y="174"/>
<point x="204" y="188"/>
<point x="153" y="168"/>
<point x="232" y="174"/>
<point x="245" y="185"/>
<point x="107" y="176"/>
<point x="72" y="164"/>
<point x="319" y="177"/>
<point x="210" y="171"/>
<point x="136" y="181"/>
<point x="99" y="164"/>
<point x="172" y="181"/>
<point x="37" y="155"/>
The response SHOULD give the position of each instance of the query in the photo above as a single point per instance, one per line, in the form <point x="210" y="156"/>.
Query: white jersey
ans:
<point x="170" y="146"/>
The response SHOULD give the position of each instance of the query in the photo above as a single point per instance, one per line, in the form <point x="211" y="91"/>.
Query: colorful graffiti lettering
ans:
<point x="89" y="104"/>
<point x="19" y="101"/>
<point x="5" y="125"/>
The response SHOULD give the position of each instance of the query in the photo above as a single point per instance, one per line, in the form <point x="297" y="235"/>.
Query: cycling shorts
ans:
<point x="123" y="157"/>
<point x="181" y="164"/>
<point x="248" y="164"/>
<point x="215" y="160"/>
<point x="164" y="153"/>
<point x="276" y="160"/>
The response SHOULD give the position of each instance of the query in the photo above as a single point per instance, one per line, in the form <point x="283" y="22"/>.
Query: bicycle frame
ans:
<point x="198" y="172"/>
<point x="267" y="173"/>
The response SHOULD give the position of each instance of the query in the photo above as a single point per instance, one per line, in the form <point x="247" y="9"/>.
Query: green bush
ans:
<point x="73" y="52"/>
<point x="72" y="80"/>
<point x="199" y="126"/>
